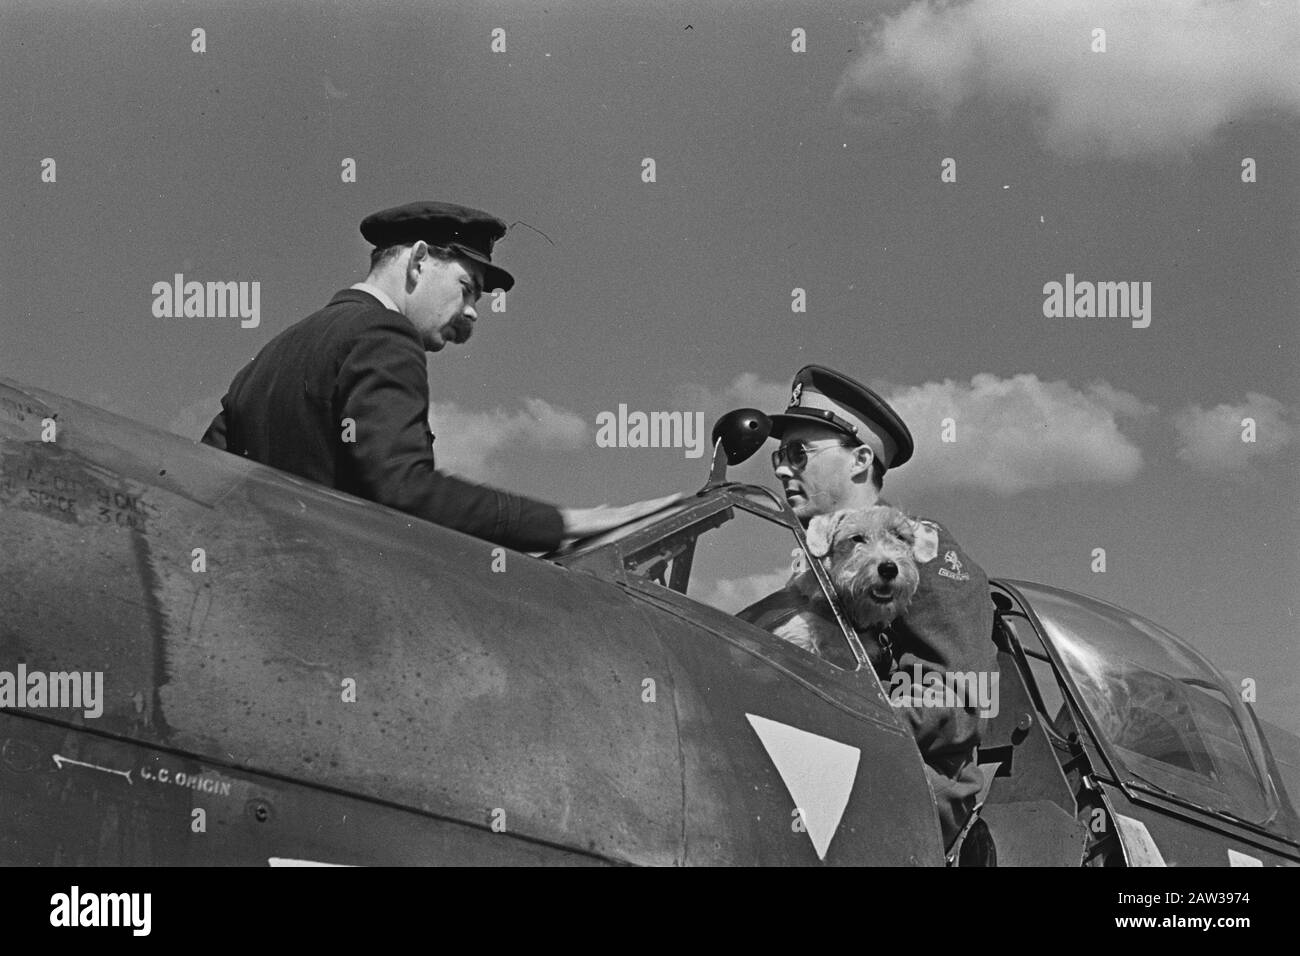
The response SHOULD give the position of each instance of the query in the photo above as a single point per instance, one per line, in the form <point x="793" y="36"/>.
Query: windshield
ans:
<point x="1168" y="716"/>
<point x="587" y="545"/>
<point x="735" y="548"/>
<point x="761" y="498"/>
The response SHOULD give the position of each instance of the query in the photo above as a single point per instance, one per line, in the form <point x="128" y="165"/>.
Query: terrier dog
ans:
<point x="869" y="555"/>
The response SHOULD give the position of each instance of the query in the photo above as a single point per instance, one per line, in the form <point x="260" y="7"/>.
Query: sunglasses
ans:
<point x="796" y="452"/>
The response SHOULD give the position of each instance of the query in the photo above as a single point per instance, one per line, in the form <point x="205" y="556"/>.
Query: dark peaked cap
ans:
<point x="823" y="396"/>
<point x="466" y="231"/>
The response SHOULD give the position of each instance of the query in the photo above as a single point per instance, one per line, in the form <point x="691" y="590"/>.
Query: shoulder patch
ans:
<point x="956" y="567"/>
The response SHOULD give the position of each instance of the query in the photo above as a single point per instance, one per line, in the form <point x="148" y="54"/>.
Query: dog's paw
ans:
<point x="799" y="631"/>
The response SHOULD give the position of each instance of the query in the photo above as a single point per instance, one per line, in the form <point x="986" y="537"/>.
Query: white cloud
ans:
<point x="1013" y="434"/>
<point x="1174" y="71"/>
<point x="746" y="390"/>
<point x="1211" y="439"/>
<point x="465" y="440"/>
<point x="736" y="594"/>
<point x="1016" y="434"/>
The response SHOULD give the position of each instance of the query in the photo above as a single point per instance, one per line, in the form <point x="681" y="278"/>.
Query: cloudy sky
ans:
<point x="774" y="170"/>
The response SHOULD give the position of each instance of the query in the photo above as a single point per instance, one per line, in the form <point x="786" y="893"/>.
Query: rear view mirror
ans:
<point x="736" y="436"/>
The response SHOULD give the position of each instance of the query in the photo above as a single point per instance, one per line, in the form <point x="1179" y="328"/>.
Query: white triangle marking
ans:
<point x="818" y="772"/>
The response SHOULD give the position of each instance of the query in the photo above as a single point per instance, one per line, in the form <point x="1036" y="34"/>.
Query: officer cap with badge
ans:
<point x="822" y="396"/>
<point x="464" y="230"/>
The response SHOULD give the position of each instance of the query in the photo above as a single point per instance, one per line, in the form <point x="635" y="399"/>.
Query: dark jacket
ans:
<point x="948" y="628"/>
<point x="356" y="359"/>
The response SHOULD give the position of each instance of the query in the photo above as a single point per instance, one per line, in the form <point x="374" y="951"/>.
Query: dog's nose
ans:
<point x="887" y="570"/>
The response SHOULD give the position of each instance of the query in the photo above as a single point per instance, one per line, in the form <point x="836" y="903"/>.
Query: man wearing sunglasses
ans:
<point x="837" y="440"/>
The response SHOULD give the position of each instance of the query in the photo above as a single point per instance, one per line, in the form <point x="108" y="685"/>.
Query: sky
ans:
<point x="922" y="172"/>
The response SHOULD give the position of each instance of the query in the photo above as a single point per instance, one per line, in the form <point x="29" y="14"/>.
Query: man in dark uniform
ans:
<point x="837" y="440"/>
<point x="342" y="397"/>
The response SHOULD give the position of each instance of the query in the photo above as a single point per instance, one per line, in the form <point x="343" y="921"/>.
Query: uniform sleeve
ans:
<point x="216" y="433"/>
<point x="947" y="629"/>
<point x="382" y="386"/>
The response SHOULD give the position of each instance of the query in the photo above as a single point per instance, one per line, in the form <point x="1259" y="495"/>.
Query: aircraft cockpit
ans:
<point x="727" y="548"/>
<point x="1166" y="720"/>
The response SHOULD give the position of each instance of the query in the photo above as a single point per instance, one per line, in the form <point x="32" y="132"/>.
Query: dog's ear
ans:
<point x="821" y="533"/>
<point x="901" y="525"/>
<point x="925" y="541"/>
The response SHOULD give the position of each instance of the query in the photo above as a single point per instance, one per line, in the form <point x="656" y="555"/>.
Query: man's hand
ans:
<point x="584" y="522"/>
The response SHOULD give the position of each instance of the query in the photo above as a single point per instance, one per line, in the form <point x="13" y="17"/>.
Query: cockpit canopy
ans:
<point x="1170" y="719"/>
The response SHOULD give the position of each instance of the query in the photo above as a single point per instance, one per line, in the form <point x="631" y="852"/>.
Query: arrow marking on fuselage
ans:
<point x="60" y="760"/>
<point x="818" y="772"/>
<point x="289" y="861"/>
